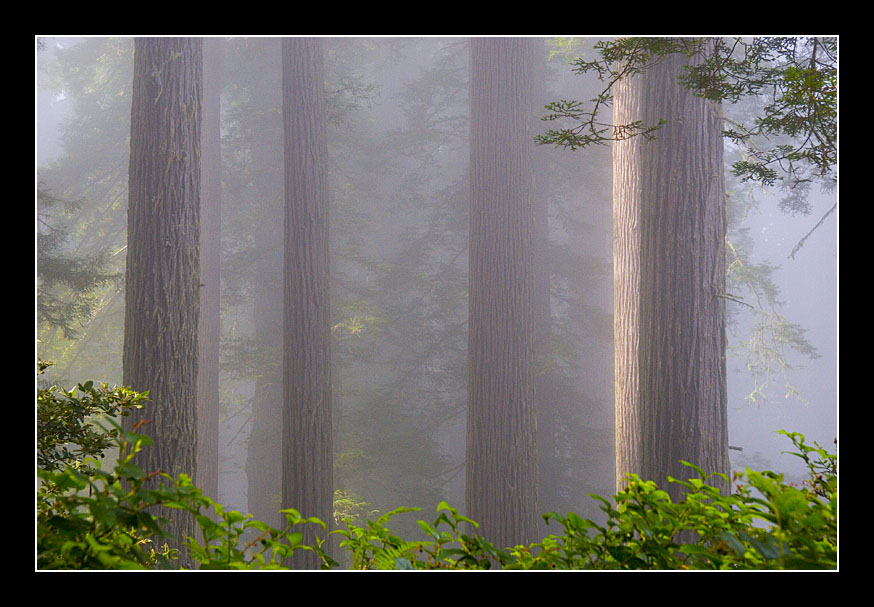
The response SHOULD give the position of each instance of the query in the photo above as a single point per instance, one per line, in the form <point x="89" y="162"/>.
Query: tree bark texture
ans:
<point x="501" y="485"/>
<point x="307" y="480"/>
<point x="162" y="277"/>
<point x="669" y="282"/>
<point x="209" y="325"/>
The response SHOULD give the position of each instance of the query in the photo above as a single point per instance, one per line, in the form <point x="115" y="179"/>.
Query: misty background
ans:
<point x="398" y="149"/>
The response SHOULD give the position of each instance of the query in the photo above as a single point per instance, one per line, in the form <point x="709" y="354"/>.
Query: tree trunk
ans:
<point x="669" y="234"/>
<point x="501" y="489"/>
<point x="210" y="266"/>
<point x="162" y="280"/>
<point x="307" y="479"/>
<point x="547" y="384"/>
<point x="264" y="456"/>
<point x="546" y="380"/>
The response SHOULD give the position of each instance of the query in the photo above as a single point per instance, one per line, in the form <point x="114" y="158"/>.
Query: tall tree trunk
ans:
<point x="162" y="279"/>
<point x="546" y="382"/>
<point x="210" y="266"/>
<point x="501" y="489"/>
<point x="669" y="234"/>
<point x="307" y="472"/>
<point x="264" y="457"/>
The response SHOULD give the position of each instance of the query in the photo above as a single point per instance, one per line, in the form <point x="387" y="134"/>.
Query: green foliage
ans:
<point x="765" y="524"/>
<point x="68" y="431"/>
<point x="349" y="506"/>
<point x="795" y="78"/>
<point x="89" y="518"/>
<point x="374" y="546"/>
<point x="67" y="283"/>
<point x="85" y="178"/>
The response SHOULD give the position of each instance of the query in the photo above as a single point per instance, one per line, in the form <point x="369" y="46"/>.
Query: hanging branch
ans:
<point x="806" y="236"/>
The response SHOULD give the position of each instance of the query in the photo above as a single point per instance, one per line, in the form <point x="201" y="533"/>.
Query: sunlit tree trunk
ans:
<point x="162" y="279"/>
<point x="210" y="265"/>
<point x="669" y="273"/>
<point x="501" y="487"/>
<point x="307" y="472"/>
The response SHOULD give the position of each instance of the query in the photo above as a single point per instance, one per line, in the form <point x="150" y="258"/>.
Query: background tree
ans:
<point x="573" y="305"/>
<point x="669" y="231"/>
<point x="252" y="224"/>
<point x="67" y="297"/>
<point x="501" y="490"/>
<point x="308" y="462"/>
<point x="401" y="187"/>
<point x="209" y="322"/>
<point x="162" y="279"/>
<point x="89" y="83"/>
<point x="262" y="115"/>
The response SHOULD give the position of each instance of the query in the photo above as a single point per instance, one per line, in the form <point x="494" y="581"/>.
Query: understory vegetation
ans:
<point x="89" y="517"/>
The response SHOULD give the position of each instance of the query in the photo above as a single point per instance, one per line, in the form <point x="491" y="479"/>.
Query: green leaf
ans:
<point x="292" y="516"/>
<point x="767" y="548"/>
<point x="429" y="530"/>
<point x="733" y="543"/>
<point x="134" y="438"/>
<point x="103" y="514"/>
<point x="67" y="526"/>
<point x="147" y="521"/>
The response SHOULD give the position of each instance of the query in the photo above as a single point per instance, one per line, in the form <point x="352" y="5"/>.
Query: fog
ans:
<point x="398" y="174"/>
<point x="808" y="287"/>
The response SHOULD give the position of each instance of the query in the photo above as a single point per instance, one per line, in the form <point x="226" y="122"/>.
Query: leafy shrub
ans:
<point x="764" y="524"/>
<point x="88" y="518"/>
<point x="66" y="420"/>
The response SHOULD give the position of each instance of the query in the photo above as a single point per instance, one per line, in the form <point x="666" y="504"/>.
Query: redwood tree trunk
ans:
<point x="264" y="456"/>
<point x="501" y="489"/>
<point x="669" y="282"/>
<point x="546" y="381"/>
<point x="307" y="473"/>
<point x="162" y="278"/>
<point x="210" y="266"/>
